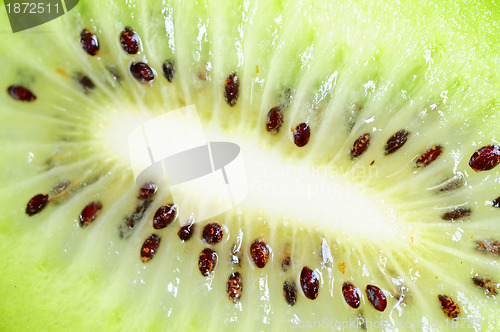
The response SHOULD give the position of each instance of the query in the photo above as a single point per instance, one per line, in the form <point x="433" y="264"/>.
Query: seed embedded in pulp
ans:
<point x="19" y="92"/>
<point x="449" y="307"/>
<point x="89" y="213"/>
<point x="207" y="261"/>
<point x="274" y="120"/>
<point x="213" y="233"/>
<point x="61" y="187"/>
<point x="131" y="220"/>
<point x="301" y="134"/>
<point x="86" y="83"/>
<point x="351" y="295"/>
<point x="186" y="231"/>
<point x="129" y="41"/>
<point x="396" y="141"/>
<point x="286" y="262"/>
<point x="489" y="247"/>
<point x="148" y="190"/>
<point x="168" y="69"/>
<point x="451" y="185"/>
<point x="234" y="287"/>
<point x="89" y="42"/>
<point x="376" y="297"/>
<point x="485" y="159"/>
<point x="496" y="202"/>
<point x="457" y="213"/>
<point x="360" y="145"/>
<point x="309" y="281"/>
<point x="259" y="252"/>
<point x="290" y="292"/>
<point x="164" y="216"/>
<point x="231" y="89"/>
<point x="429" y="156"/>
<point x="490" y="287"/>
<point x="37" y="204"/>
<point x="142" y="72"/>
<point x="150" y="247"/>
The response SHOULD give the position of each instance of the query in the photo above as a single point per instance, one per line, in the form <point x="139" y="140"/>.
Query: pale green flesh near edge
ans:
<point x="431" y="70"/>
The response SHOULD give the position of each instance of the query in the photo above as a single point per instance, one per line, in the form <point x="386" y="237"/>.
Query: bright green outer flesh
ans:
<point x="432" y="69"/>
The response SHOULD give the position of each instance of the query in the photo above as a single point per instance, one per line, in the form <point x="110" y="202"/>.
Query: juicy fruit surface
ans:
<point x="356" y="74"/>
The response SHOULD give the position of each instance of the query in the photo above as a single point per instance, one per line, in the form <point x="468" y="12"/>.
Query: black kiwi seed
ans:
<point x="485" y="159"/>
<point x="164" y="216"/>
<point x="131" y="220"/>
<point x="86" y="83"/>
<point x="89" y="42"/>
<point x="37" y="204"/>
<point x="351" y="295"/>
<point x="207" y="261"/>
<point x="234" y="287"/>
<point x="490" y="287"/>
<point x="449" y="307"/>
<point x="142" y="72"/>
<point x="290" y="292"/>
<point x="274" y="120"/>
<point x="145" y="197"/>
<point x="496" y="202"/>
<point x="376" y="297"/>
<point x="129" y="41"/>
<point x="19" y="92"/>
<point x="186" y="232"/>
<point x="286" y="262"/>
<point x="231" y="89"/>
<point x="89" y="213"/>
<point x="489" y="247"/>
<point x="457" y="213"/>
<point x="213" y="233"/>
<point x="396" y="141"/>
<point x="259" y="251"/>
<point x="147" y="190"/>
<point x="168" y="69"/>
<point x="150" y="247"/>
<point x="451" y="185"/>
<point x="360" y="145"/>
<point x="301" y="134"/>
<point x="429" y="156"/>
<point x="309" y="281"/>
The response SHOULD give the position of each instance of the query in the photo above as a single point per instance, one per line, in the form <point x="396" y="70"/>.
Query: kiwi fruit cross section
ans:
<point x="369" y="132"/>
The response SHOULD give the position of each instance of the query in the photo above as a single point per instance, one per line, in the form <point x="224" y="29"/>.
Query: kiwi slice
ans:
<point x="369" y="134"/>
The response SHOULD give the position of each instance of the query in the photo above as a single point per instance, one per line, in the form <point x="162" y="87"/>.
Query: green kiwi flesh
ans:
<point x="368" y="179"/>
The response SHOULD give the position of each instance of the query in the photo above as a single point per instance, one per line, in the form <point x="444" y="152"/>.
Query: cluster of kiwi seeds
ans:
<point x="259" y="251"/>
<point x="484" y="159"/>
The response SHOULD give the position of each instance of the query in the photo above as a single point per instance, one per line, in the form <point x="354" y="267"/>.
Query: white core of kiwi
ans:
<point x="286" y="189"/>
